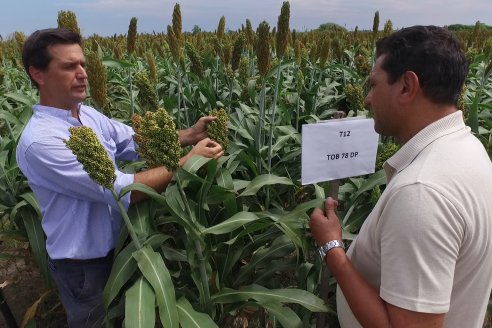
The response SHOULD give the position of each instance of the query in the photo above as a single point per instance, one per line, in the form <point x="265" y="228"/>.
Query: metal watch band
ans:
<point x="328" y="246"/>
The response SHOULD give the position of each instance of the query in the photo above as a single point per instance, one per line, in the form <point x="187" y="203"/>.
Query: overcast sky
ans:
<point x="107" y="17"/>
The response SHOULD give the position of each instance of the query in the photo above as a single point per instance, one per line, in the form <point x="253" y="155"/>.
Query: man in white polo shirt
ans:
<point x="422" y="257"/>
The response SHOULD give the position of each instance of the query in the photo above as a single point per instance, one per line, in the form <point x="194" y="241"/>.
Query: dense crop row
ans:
<point x="229" y="235"/>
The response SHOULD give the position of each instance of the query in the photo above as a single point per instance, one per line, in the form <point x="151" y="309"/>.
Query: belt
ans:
<point x="96" y="260"/>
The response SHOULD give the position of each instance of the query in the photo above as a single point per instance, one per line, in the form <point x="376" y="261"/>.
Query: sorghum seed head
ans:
<point x="177" y="24"/>
<point x="97" y="76"/>
<point x="196" y="63"/>
<point x="263" y="48"/>
<point x="283" y="29"/>
<point x="355" y="97"/>
<point x="68" y="20"/>
<point x="157" y="139"/>
<point x="218" y="130"/>
<point x="237" y="51"/>
<point x="221" y="28"/>
<point x="91" y="154"/>
<point x="131" y="39"/>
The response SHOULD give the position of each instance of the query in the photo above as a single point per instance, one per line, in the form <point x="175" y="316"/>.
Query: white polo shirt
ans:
<point x="427" y="244"/>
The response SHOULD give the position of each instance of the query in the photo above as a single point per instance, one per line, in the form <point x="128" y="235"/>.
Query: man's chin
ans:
<point x="80" y="97"/>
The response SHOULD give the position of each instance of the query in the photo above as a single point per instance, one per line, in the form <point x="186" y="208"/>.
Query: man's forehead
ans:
<point x="377" y="67"/>
<point x="379" y="61"/>
<point x="64" y="47"/>
<point x="66" y="51"/>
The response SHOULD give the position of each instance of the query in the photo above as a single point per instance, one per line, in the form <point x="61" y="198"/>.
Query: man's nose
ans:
<point x="367" y="101"/>
<point x="81" y="73"/>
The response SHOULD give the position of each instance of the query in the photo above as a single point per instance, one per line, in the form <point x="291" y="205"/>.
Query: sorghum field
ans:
<point x="227" y="244"/>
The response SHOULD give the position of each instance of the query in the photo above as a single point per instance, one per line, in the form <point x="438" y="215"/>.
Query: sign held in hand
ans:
<point x="338" y="148"/>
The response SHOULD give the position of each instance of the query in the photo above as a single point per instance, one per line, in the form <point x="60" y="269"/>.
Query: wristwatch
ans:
<point x="328" y="246"/>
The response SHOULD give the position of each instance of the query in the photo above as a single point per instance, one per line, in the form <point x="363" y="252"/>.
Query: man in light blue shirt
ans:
<point x="81" y="218"/>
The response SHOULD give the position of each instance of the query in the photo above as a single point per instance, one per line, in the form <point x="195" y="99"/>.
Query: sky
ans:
<point x="109" y="17"/>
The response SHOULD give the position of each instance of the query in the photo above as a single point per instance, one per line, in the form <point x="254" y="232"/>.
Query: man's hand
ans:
<point x="206" y="148"/>
<point x="196" y="133"/>
<point x="159" y="177"/>
<point x="325" y="226"/>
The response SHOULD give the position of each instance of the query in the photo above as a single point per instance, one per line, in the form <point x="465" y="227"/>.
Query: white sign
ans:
<point x="338" y="148"/>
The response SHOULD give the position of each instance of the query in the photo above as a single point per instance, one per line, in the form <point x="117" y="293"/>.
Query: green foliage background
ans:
<point x="228" y="238"/>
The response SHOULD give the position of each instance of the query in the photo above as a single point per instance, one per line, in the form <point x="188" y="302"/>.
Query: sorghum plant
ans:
<point x="131" y="39"/>
<point x="68" y="20"/>
<point x="97" y="77"/>
<point x="88" y="149"/>
<point x="157" y="139"/>
<point x="177" y="25"/>
<point x="218" y="130"/>
<point x="196" y="63"/>
<point x="264" y="60"/>
<point x="147" y="96"/>
<point x="263" y="48"/>
<point x="355" y="97"/>
<point x="152" y="66"/>
<point x="221" y="28"/>
<point x="375" y="26"/>
<point x="282" y="40"/>
<point x="388" y="28"/>
<point x="283" y="29"/>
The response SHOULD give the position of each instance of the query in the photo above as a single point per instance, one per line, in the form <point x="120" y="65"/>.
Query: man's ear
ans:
<point x="37" y="75"/>
<point x="410" y="86"/>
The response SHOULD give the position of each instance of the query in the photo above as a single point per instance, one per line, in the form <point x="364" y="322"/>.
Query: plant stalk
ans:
<point x="272" y="120"/>
<point x="128" y="223"/>
<point x="178" y="115"/>
<point x="205" y="299"/>
<point x="131" y="93"/>
<point x="230" y="96"/>
<point x="259" y="126"/>
<point x="298" y="107"/>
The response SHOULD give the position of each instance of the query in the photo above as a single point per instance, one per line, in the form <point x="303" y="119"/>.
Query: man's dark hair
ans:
<point x="35" y="51"/>
<point x="433" y="54"/>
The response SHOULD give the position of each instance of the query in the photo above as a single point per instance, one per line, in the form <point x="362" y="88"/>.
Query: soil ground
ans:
<point x="23" y="288"/>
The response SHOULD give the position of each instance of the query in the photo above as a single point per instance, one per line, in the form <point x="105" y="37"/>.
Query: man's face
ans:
<point x="63" y="83"/>
<point x="381" y="98"/>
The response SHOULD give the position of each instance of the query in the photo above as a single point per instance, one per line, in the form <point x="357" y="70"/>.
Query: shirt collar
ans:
<point x="410" y="150"/>
<point x="63" y="114"/>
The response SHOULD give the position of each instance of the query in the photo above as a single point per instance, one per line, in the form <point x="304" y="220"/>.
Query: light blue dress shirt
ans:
<point x="80" y="218"/>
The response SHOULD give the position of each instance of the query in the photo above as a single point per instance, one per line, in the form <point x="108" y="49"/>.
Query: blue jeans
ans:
<point x="80" y="286"/>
